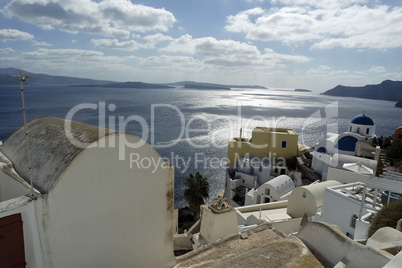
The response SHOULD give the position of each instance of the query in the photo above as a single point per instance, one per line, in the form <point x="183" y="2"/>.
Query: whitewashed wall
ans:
<point x="102" y="213"/>
<point x="338" y="209"/>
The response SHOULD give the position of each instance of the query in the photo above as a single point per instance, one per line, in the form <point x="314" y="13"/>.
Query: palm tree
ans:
<point x="197" y="190"/>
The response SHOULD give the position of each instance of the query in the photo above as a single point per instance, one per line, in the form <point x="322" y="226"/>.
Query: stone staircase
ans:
<point x="382" y="164"/>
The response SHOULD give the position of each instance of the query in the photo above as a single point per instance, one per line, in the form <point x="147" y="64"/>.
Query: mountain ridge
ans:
<point x="386" y="90"/>
<point x="10" y="76"/>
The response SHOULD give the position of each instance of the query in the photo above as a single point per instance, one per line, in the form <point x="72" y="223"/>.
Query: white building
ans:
<point x="285" y="215"/>
<point x="307" y="199"/>
<point x="356" y="142"/>
<point x="91" y="209"/>
<point x="350" y="205"/>
<point x="361" y="128"/>
<point x="250" y="174"/>
<point x="341" y="206"/>
<point x="274" y="190"/>
<point x="347" y="168"/>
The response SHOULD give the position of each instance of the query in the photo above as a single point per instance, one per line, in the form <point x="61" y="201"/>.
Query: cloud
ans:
<point x="326" y="24"/>
<point x="320" y="3"/>
<point x="132" y="45"/>
<point x="324" y="67"/>
<point x="114" y="18"/>
<point x="72" y="62"/>
<point x="6" y="50"/>
<point x="14" y="35"/>
<point x="377" y="69"/>
<point x="42" y="44"/>
<point x="230" y="53"/>
<point x="157" y="38"/>
<point x="171" y="62"/>
<point x="116" y="44"/>
<point x="57" y="58"/>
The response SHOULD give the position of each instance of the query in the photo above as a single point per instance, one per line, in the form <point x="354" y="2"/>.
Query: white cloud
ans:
<point x="71" y="62"/>
<point x="324" y="67"/>
<point x="327" y="24"/>
<point x="116" y="18"/>
<point x="320" y="3"/>
<point x="6" y="50"/>
<point x="377" y="69"/>
<point x="41" y="44"/>
<point x="230" y="53"/>
<point x="157" y="38"/>
<point x="14" y="35"/>
<point x="116" y="44"/>
<point x="171" y="62"/>
<point x="67" y="57"/>
<point x="132" y="45"/>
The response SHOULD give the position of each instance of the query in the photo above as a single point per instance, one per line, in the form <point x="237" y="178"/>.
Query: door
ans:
<point x="12" y="253"/>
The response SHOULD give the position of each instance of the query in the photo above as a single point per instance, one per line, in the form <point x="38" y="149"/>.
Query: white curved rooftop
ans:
<point x="51" y="151"/>
<point x="283" y="183"/>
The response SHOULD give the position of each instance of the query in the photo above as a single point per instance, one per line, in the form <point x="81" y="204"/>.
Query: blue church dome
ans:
<point x="362" y="119"/>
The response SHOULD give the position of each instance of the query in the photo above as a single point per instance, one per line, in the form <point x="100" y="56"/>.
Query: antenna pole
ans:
<point x="22" y="79"/>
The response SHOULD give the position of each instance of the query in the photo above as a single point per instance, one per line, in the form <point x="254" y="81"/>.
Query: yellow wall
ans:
<point x="265" y="142"/>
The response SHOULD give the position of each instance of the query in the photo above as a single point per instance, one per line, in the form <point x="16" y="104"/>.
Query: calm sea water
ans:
<point x="191" y="127"/>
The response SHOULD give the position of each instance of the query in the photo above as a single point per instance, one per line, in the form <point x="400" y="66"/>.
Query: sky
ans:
<point x="310" y="44"/>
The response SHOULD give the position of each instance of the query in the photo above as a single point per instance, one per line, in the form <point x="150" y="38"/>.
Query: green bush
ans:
<point x="394" y="152"/>
<point x="387" y="216"/>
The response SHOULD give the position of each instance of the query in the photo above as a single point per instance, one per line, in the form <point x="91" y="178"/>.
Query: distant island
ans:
<point x="211" y="85"/>
<point x="399" y="104"/>
<point x="302" y="90"/>
<point x="198" y="86"/>
<point x="135" y="85"/>
<point x="10" y="76"/>
<point x="387" y="90"/>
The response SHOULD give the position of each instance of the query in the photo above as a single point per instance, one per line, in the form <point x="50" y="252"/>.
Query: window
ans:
<point x="304" y="194"/>
<point x="350" y="130"/>
<point x="260" y="168"/>
<point x="367" y="131"/>
<point x="258" y="199"/>
<point x="267" y="191"/>
<point x="358" y="130"/>
<point x="284" y="143"/>
<point x="353" y="221"/>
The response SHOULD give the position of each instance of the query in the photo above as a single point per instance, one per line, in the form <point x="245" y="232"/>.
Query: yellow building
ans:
<point x="265" y="142"/>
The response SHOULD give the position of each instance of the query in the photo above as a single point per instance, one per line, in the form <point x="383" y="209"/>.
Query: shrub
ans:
<point x="387" y="216"/>
<point x="394" y="153"/>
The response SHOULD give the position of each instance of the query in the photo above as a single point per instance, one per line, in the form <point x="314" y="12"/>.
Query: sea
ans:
<point x="190" y="128"/>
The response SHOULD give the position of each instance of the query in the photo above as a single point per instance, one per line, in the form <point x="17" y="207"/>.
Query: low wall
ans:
<point x="183" y="242"/>
<point x="333" y="246"/>
<point x="288" y="227"/>
<point x="265" y="206"/>
<point x="307" y="172"/>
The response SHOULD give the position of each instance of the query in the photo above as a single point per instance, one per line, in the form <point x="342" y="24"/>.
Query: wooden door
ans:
<point x="12" y="253"/>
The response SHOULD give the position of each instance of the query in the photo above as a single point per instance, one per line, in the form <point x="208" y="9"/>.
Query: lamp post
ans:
<point x="22" y="79"/>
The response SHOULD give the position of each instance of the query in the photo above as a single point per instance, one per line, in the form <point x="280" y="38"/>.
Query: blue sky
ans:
<point x="313" y="44"/>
